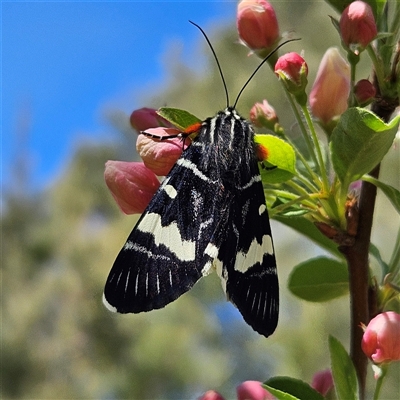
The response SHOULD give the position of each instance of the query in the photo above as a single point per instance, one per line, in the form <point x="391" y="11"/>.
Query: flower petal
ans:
<point x="131" y="184"/>
<point x="160" y="156"/>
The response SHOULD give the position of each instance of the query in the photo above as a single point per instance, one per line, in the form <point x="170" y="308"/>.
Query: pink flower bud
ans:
<point x="291" y="66"/>
<point x="131" y="184"/>
<point x="263" y="115"/>
<point x="329" y="94"/>
<point x="145" y="118"/>
<point x="211" y="395"/>
<point x="159" y="156"/>
<point x="364" y="91"/>
<point x="292" y="70"/>
<point x="381" y="340"/>
<point x="322" y="382"/>
<point x="252" y="390"/>
<point x="257" y="24"/>
<point x="357" y="24"/>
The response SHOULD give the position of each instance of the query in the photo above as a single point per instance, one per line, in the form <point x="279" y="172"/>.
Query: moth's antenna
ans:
<point x="216" y="59"/>
<point x="261" y="64"/>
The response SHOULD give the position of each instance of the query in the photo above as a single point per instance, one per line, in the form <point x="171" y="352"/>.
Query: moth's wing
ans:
<point x="246" y="261"/>
<point x="165" y="254"/>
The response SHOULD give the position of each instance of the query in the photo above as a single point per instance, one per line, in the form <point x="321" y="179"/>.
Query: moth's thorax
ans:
<point x="228" y="130"/>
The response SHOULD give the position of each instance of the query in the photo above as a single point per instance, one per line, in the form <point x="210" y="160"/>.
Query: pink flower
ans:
<point x="381" y="340"/>
<point x="252" y="390"/>
<point x="131" y="184"/>
<point x="145" y="118"/>
<point x="263" y="115"/>
<point x="322" y="382"/>
<point x="211" y="395"/>
<point x="357" y="24"/>
<point x="159" y="156"/>
<point x="257" y="24"/>
<point x="364" y="91"/>
<point x="329" y="94"/>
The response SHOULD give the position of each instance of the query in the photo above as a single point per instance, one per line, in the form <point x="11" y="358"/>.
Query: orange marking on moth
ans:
<point x="193" y="128"/>
<point x="262" y="152"/>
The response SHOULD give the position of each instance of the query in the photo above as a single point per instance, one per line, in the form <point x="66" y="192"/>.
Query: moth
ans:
<point x="208" y="214"/>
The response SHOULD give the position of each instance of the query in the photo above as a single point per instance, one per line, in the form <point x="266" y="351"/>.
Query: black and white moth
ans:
<point x="209" y="213"/>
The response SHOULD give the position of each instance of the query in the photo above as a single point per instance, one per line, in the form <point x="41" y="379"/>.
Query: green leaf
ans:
<point x="339" y="5"/>
<point x="308" y="229"/>
<point x="374" y="251"/>
<point x="359" y="142"/>
<point x="344" y="374"/>
<point x="180" y="118"/>
<point x="285" y="388"/>
<point x="391" y="193"/>
<point x="319" y="279"/>
<point x="279" y="394"/>
<point x="280" y="156"/>
<point x="294" y="210"/>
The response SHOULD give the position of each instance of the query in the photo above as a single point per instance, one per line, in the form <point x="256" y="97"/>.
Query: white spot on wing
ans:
<point x="168" y="236"/>
<point x="171" y="191"/>
<point x="132" y="246"/>
<point x="158" y="284"/>
<point x="206" y="269"/>
<point x="254" y="255"/>
<point x="254" y="179"/>
<point x="232" y="132"/>
<point x="127" y="280"/>
<point x="262" y="208"/>
<point x="119" y="278"/>
<point x="137" y="283"/>
<point x="211" y="250"/>
<point x="108" y="305"/>
<point x="170" y="278"/>
<point x="212" y="129"/>
<point x="193" y="167"/>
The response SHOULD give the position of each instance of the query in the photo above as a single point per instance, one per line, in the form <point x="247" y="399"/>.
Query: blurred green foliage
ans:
<point x="58" y="341"/>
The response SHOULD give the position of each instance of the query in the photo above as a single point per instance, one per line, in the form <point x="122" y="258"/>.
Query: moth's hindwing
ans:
<point x="209" y="212"/>
<point x="246" y="260"/>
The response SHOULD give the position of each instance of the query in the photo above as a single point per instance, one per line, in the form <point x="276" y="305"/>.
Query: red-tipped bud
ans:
<point x="364" y="92"/>
<point x="257" y="24"/>
<point x="131" y="184"/>
<point x="322" y="382"/>
<point x="211" y="395"/>
<point x="330" y="92"/>
<point x="293" y="70"/>
<point x="357" y="25"/>
<point x="145" y="118"/>
<point x="252" y="390"/>
<point x="381" y="340"/>
<point x="159" y="156"/>
<point x="263" y="115"/>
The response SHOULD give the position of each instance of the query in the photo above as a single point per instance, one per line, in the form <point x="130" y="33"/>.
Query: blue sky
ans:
<point x="63" y="61"/>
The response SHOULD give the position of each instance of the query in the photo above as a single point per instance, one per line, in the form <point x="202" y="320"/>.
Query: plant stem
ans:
<point x="383" y="371"/>
<point x="317" y="147"/>
<point x="305" y="136"/>
<point x="357" y="260"/>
